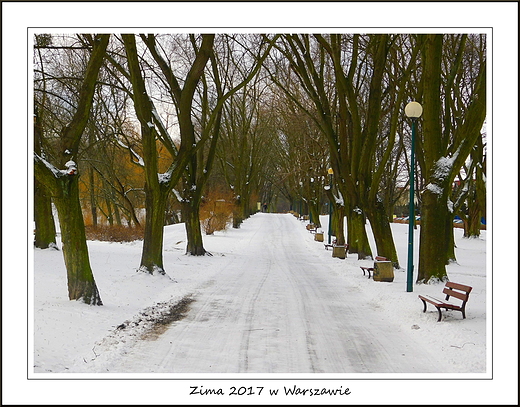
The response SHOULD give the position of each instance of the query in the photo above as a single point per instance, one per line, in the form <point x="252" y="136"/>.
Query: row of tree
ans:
<point x="153" y="118"/>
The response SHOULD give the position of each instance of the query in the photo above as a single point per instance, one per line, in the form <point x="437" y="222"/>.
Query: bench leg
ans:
<point x="440" y="314"/>
<point x="424" y="303"/>
<point x="438" y="309"/>
<point x="363" y="269"/>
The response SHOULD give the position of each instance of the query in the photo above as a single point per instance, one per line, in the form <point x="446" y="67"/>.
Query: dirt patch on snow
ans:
<point x="153" y="321"/>
<point x="148" y="324"/>
<point x="168" y="316"/>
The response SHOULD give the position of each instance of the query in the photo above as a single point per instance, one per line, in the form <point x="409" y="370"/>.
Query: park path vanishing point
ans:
<point x="277" y="307"/>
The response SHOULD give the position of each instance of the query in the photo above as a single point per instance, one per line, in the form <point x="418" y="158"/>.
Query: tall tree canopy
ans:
<point x="144" y="118"/>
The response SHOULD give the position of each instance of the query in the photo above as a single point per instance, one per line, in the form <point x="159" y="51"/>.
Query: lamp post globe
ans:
<point x="413" y="110"/>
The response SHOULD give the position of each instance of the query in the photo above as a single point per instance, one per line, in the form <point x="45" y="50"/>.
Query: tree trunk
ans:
<point x="237" y="217"/>
<point x="117" y="214"/>
<point x="109" y="214"/>
<point x="473" y="219"/>
<point x="245" y="198"/>
<point x="450" y="239"/>
<point x="151" y="257"/>
<point x="80" y="279"/>
<point x="383" y="237"/>
<point x="472" y="227"/>
<point x="92" y="196"/>
<point x="45" y="230"/>
<point x="338" y="219"/>
<point x="314" y="213"/>
<point x="131" y="210"/>
<point x="433" y="241"/>
<point x="238" y="213"/>
<point x="357" y="234"/>
<point x="195" y="245"/>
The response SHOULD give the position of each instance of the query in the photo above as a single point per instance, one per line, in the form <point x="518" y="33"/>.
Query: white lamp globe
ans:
<point x="413" y="110"/>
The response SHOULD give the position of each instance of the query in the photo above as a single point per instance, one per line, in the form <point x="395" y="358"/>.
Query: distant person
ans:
<point x="264" y="206"/>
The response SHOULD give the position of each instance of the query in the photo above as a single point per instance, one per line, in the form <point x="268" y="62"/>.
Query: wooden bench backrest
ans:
<point x="456" y="290"/>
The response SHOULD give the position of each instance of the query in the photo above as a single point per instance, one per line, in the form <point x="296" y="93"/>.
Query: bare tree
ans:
<point x="245" y="152"/>
<point x="344" y="77"/>
<point x="451" y="127"/>
<point x="44" y="227"/>
<point x="62" y="181"/>
<point x="158" y="186"/>
<point x="232" y="66"/>
<point x="304" y="157"/>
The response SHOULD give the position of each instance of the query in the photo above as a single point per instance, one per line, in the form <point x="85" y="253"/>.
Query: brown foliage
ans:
<point x="216" y="211"/>
<point x="114" y="233"/>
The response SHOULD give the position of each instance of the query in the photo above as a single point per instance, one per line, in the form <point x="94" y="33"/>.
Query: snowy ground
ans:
<point x="277" y="302"/>
<point x="120" y="337"/>
<point x="269" y="304"/>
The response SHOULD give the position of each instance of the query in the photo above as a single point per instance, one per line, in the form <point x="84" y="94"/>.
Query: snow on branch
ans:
<point x="441" y="172"/>
<point x="158" y="122"/>
<point x="442" y="168"/>
<point x="339" y="199"/>
<point x="71" y="167"/>
<point x="166" y="137"/>
<point x="177" y="195"/>
<point x="165" y="177"/>
<point x="139" y="159"/>
<point x="450" y="206"/>
<point x="435" y="189"/>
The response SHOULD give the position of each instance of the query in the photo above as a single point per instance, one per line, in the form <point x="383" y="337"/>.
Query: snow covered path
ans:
<point x="275" y="306"/>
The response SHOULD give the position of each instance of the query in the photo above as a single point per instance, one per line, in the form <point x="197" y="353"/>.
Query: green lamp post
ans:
<point x="413" y="110"/>
<point x="330" y="171"/>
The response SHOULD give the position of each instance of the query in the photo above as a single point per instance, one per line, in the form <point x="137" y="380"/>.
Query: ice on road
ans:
<point x="277" y="307"/>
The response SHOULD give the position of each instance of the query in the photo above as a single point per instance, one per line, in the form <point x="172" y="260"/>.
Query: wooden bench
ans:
<point x="311" y="227"/>
<point x="371" y="269"/>
<point x="327" y="245"/>
<point x="456" y="290"/>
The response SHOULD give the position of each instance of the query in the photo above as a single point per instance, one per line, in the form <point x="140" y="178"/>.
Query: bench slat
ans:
<point x="442" y="304"/>
<point x="432" y="300"/>
<point x="458" y="286"/>
<point x="456" y="294"/>
<point x="438" y="302"/>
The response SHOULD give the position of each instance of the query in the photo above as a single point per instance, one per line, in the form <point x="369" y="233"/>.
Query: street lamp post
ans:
<point x="330" y="171"/>
<point x="413" y="110"/>
<point x="301" y="189"/>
